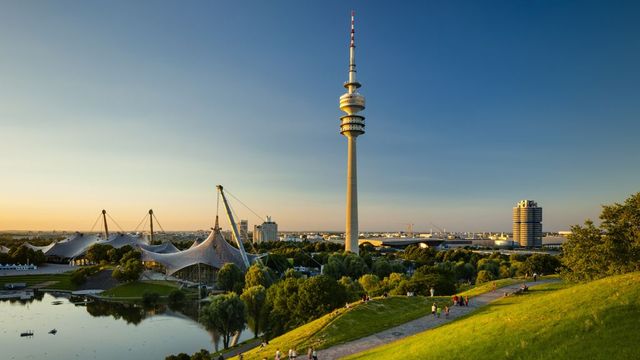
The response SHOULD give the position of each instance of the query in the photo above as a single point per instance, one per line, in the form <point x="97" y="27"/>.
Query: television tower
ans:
<point x="351" y="126"/>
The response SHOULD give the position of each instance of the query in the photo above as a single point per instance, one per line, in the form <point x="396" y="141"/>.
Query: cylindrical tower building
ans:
<point x="352" y="126"/>
<point x="527" y="224"/>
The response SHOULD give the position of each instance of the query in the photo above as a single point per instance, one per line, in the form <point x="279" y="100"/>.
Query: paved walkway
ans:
<point x="420" y="324"/>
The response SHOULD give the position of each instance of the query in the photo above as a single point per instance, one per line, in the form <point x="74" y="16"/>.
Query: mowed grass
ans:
<point x="137" y="288"/>
<point x="342" y="325"/>
<point x="488" y="286"/>
<point x="597" y="320"/>
<point x="374" y="316"/>
<point x="295" y="339"/>
<point x="62" y="281"/>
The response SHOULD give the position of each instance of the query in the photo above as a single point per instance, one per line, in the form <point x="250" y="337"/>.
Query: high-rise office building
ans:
<point x="243" y="229"/>
<point x="527" y="224"/>
<point x="268" y="231"/>
<point x="352" y="126"/>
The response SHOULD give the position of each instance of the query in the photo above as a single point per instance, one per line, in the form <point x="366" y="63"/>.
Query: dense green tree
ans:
<point x="98" y="253"/>
<point x="130" y="271"/>
<point x="24" y="255"/>
<point x="335" y="267"/>
<point x="484" y="276"/>
<point x="225" y="314"/>
<point x="318" y="295"/>
<point x="257" y="275"/>
<point x="282" y="300"/>
<point x="541" y="264"/>
<point x="370" y="284"/>
<point x="181" y="356"/>
<point x="255" y="300"/>
<point x="381" y="268"/>
<point x="353" y="289"/>
<point x="355" y="266"/>
<point x="230" y="277"/>
<point x="201" y="355"/>
<point x="613" y="248"/>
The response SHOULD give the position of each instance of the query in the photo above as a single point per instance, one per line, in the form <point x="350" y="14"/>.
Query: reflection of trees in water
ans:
<point x="130" y="313"/>
<point x="134" y="313"/>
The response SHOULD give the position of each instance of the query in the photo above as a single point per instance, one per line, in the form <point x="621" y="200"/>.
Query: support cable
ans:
<point x="243" y="204"/>
<point x="118" y="225"/>
<point x="158" y="222"/>
<point x="96" y="222"/>
<point x="140" y="223"/>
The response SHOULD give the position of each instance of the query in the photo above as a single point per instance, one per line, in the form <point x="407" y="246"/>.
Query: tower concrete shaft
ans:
<point x="352" y="126"/>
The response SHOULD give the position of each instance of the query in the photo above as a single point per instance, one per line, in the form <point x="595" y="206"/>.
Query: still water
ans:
<point x="99" y="330"/>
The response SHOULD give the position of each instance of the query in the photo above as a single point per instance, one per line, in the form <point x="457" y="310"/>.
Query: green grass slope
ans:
<point x="137" y="288"/>
<point x="57" y="281"/>
<point x="597" y="320"/>
<point x="344" y="325"/>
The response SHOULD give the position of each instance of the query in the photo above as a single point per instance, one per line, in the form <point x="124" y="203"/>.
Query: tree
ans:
<point x="317" y="296"/>
<point x="230" y="277"/>
<point x="541" y="264"/>
<point x="353" y="289"/>
<point x="98" y="253"/>
<point x="355" y="266"/>
<point x="613" y="248"/>
<point x="381" y="268"/>
<point x="255" y="300"/>
<point x="282" y="300"/>
<point x="257" y="275"/>
<point x="130" y="271"/>
<point x="370" y="283"/>
<point x="484" y="276"/>
<point x="226" y="314"/>
<point x="335" y="267"/>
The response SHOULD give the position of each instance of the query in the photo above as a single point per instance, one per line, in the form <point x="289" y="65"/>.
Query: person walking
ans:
<point x="446" y="312"/>
<point x="314" y="354"/>
<point x="535" y="277"/>
<point x="310" y="354"/>
<point x="294" y="354"/>
<point x="432" y="291"/>
<point x="466" y="300"/>
<point x="439" y="310"/>
<point x="455" y="299"/>
<point x="433" y="309"/>
<point x="278" y="354"/>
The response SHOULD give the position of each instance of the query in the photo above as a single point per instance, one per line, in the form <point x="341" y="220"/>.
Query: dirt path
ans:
<point x="419" y="325"/>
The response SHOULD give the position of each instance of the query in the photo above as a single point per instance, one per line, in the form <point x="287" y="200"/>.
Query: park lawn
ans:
<point x="295" y="339"/>
<point x="343" y="325"/>
<point x="374" y="316"/>
<point x="62" y="281"/>
<point x="488" y="286"/>
<point x="596" y="320"/>
<point x="137" y="288"/>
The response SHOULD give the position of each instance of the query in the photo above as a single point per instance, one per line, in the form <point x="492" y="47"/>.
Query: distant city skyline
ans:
<point x="471" y="107"/>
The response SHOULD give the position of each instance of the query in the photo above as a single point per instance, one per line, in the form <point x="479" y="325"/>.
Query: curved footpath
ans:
<point x="419" y="325"/>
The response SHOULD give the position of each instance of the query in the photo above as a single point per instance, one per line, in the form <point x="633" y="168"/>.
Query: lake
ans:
<point x="99" y="330"/>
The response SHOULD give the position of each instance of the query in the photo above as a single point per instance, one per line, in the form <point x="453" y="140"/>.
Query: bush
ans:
<point x="177" y="297"/>
<point x="150" y="299"/>
<point x="79" y="276"/>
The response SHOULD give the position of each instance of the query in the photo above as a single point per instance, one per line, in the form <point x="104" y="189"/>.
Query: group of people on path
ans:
<point x="460" y="301"/>
<point x="312" y="354"/>
<point x="437" y="310"/>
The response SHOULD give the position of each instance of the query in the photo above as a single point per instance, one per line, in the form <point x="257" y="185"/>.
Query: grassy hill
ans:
<point x="361" y="320"/>
<point x="597" y="320"/>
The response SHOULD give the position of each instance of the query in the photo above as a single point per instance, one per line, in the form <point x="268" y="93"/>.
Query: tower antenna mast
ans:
<point x="352" y="126"/>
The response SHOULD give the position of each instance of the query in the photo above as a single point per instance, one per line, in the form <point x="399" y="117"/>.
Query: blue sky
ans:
<point x="471" y="106"/>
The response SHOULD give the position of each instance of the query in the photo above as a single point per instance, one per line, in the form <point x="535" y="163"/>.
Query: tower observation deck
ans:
<point x="352" y="126"/>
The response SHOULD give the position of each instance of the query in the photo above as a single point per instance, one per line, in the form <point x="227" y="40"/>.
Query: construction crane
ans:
<point x="234" y="227"/>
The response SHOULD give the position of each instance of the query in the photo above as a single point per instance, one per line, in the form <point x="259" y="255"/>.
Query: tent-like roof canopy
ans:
<point x="215" y="251"/>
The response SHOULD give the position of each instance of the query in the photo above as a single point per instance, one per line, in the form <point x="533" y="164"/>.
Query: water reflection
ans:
<point x="90" y="333"/>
